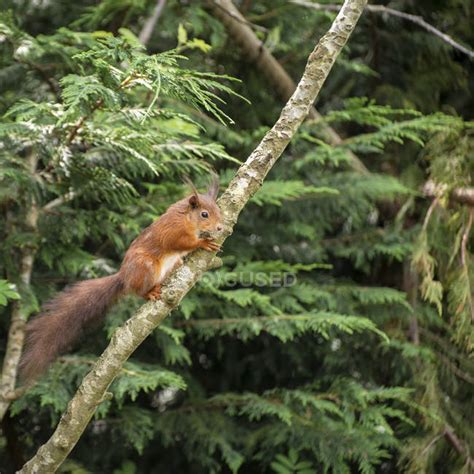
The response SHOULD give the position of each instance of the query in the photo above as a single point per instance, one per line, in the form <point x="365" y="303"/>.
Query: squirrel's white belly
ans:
<point x="169" y="263"/>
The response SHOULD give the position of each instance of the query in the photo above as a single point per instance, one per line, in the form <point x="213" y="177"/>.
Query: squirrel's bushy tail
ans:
<point x="64" y="319"/>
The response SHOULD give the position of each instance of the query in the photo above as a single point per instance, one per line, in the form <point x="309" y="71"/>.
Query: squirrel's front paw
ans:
<point x="210" y="245"/>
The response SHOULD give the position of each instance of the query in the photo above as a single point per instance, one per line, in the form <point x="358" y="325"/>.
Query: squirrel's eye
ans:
<point x="204" y="214"/>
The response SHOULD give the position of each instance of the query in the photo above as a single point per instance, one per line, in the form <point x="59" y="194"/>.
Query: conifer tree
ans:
<point x="361" y="360"/>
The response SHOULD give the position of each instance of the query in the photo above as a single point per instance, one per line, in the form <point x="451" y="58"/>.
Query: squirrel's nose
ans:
<point x="219" y="228"/>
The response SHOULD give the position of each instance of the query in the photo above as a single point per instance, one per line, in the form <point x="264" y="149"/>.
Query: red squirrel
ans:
<point x="187" y="225"/>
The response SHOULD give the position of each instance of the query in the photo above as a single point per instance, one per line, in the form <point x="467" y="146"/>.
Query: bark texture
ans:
<point x="93" y="389"/>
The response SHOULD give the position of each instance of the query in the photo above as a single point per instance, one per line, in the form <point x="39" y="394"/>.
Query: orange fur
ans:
<point x="151" y="257"/>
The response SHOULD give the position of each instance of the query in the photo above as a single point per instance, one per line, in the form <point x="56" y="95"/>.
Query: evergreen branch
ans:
<point x="53" y="86"/>
<point x="274" y="407"/>
<point x="320" y="322"/>
<point x="80" y="122"/>
<point x="417" y="20"/>
<point x="16" y="332"/>
<point x="432" y="442"/>
<point x="372" y="234"/>
<point x="243" y="186"/>
<point x="273" y="403"/>
<point x="99" y="103"/>
<point x="442" y="345"/>
<point x="455" y="369"/>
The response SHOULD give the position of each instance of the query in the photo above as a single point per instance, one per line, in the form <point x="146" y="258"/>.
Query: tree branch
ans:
<point x="98" y="104"/>
<point x="410" y="287"/>
<point x="53" y="86"/>
<point x="240" y="30"/>
<point x="417" y="20"/>
<point x="465" y="260"/>
<point x="59" y="201"/>
<point x="459" y="446"/>
<point x="459" y="195"/>
<point x="463" y="196"/>
<point x="256" y="52"/>
<point x="150" y="23"/>
<point x="80" y="122"/>
<point x="465" y="237"/>
<point x="16" y="332"/>
<point x="236" y="15"/>
<point x="246" y="182"/>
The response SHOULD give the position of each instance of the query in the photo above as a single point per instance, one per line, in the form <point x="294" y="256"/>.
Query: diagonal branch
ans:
<point x="150" y="23"/>
<point x="241" y="32"/>
<point x="461" y="447"/>
<point x="255" y="51"/>
<point x="59" y="201"/>
<point x="246" y="182"/>
<point x="416" y="19"/>
<point x="237" y="16"/>
<point x="285" y="86"/>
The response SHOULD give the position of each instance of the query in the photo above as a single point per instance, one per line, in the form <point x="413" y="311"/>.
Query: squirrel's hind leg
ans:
<point x="139" y="273"/>
<point x="154" y="294"/>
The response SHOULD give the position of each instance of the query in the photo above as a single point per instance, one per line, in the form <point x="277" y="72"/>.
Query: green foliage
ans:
<point x="285" y="327"/>
<point x="311" y="349"/>
<point x="7" y="292"/>
<point x="291" y="464"/>
<point x="134" y="379"/>
<point x="277" y="192"/>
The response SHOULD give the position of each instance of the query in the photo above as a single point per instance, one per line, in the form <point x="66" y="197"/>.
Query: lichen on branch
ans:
<point x="243" y="186"/>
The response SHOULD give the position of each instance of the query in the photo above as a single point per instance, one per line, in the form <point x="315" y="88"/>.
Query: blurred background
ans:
<point x="362" y="360"/>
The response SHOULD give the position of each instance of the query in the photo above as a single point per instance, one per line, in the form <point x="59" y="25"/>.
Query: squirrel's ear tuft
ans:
<point x="213" y="190"/>
<point x="188" y="182"/>
<point x="194" y="198"/>
<point x="193" y="201"/>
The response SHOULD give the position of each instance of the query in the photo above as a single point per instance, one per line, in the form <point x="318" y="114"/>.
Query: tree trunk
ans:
<point x="16" y="332"/>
